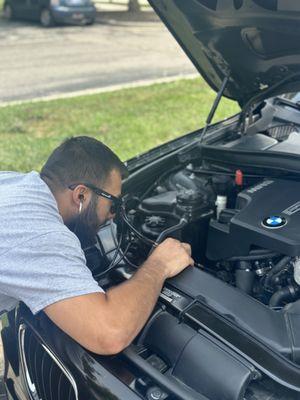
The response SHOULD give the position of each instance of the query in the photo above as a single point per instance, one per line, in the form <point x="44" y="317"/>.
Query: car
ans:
<point x="229" y="327"/>
<point x="51" y="12"/>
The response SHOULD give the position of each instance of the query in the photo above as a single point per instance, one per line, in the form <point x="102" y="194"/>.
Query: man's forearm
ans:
<point x="133" y="301"/>
<point x="106" y="323"/>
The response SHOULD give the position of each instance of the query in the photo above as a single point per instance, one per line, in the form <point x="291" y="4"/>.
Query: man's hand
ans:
<point x="107" y="323"/>
<point x="172" y="257"/>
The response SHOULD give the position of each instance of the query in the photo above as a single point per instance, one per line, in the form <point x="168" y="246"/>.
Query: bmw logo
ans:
<point x="274" y="221"/>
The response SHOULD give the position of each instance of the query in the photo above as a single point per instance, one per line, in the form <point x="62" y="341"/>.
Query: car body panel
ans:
<point x="255" y="42"/>
<point x="92" y="379"/>
<point x="74" y="14"/>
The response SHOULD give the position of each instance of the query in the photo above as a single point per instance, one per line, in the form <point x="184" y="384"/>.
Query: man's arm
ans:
<point x="106" y="323"/>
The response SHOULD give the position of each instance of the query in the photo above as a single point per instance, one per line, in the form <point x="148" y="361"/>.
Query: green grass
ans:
<point x="130" y="121"/>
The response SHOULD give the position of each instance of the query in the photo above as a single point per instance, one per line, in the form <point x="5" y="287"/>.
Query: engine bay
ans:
<point x="238" y="307"/>
<point x="242" y="229"/>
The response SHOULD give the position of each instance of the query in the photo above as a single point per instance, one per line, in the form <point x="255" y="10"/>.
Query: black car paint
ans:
<point x="238" y="37"/>
<point x="93" y="380"/>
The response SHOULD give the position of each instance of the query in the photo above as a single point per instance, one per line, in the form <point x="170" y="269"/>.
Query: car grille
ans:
<point x="45" y="376"/>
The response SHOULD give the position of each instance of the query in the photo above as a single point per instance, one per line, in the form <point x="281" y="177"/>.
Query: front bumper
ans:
<point x="65" y="14"/>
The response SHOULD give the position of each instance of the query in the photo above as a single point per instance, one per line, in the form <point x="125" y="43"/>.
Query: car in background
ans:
<point x="51" y="12"/>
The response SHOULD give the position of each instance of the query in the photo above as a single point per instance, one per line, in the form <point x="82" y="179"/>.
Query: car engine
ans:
<point x="238" y="307"/>
<point x="242" y="230"/>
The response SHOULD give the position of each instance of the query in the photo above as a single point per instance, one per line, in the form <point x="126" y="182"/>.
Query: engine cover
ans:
<point x="267" y="215"/>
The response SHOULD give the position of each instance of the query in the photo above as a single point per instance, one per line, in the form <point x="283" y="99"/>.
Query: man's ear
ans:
<point x="80" y="194"/>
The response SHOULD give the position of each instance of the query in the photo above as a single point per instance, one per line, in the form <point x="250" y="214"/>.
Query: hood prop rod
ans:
<point x="215" y="106"/>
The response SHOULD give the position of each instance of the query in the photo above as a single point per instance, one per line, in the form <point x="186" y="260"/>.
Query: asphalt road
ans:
<point x="37" y="62"/>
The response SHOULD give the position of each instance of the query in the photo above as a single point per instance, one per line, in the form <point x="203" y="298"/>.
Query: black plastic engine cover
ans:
<point x="268" y="216"/>
<point x="198" y="360"/>
<point x="269" y="339"/>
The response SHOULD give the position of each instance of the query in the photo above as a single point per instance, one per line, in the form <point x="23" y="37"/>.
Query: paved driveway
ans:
<point x="38" y="62"/>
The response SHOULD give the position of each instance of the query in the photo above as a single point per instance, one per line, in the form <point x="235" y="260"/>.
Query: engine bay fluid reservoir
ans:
<point x="221" y="203"/>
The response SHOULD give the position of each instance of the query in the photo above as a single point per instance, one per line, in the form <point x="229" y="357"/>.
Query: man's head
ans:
<point x="82" y="173"/>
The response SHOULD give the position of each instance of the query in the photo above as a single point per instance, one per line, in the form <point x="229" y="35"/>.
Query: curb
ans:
<point x="128" y="17"/>
<point x="106" y="89"/>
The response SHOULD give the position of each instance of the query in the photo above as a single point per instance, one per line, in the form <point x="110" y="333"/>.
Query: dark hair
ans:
<point x="81" y="159"/>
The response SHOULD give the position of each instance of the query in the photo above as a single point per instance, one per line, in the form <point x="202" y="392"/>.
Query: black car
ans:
<point x="51" y="12"/>
<point x="229" y="328"/>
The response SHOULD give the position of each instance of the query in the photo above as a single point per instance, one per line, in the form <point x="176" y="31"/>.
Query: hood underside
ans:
<point x="255" y="42"/>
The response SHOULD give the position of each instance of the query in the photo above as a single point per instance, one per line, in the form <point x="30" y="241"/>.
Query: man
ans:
<point x="41" y="260"/>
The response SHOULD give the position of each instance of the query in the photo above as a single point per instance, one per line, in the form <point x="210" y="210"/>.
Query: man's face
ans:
<point x="98" y="211"/>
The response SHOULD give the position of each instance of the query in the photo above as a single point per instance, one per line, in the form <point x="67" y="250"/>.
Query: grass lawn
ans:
<point x="130" y="121"/>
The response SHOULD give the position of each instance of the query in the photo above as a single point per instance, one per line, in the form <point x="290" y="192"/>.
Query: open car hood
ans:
<point x="256" y="42"/>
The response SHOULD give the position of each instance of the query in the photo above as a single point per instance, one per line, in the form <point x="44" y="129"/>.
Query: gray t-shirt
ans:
<point x="41" y="261"/>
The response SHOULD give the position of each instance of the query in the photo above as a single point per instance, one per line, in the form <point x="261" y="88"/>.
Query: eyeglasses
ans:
<point x="116" y="201"/>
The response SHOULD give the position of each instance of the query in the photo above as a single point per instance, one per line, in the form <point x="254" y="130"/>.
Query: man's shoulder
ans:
<point x="58" y="235"/>
<point x="13" y="183"/>
<point x="7" y="177"/>
<point x="29" y="214"/>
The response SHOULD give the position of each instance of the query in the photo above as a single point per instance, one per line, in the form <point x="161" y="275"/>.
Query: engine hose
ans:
<point x="181" y="224"/>
<point x="277" y="267"/>
<point x="284" y="294"/>
<point x="134" y="230"/>
<point x="164" y="234"/>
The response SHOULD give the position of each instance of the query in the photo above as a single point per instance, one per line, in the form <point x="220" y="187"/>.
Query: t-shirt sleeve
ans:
<point x="47" y="269"/>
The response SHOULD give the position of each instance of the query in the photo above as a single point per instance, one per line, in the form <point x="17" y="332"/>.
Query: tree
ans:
<point x="133" y="5"/>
